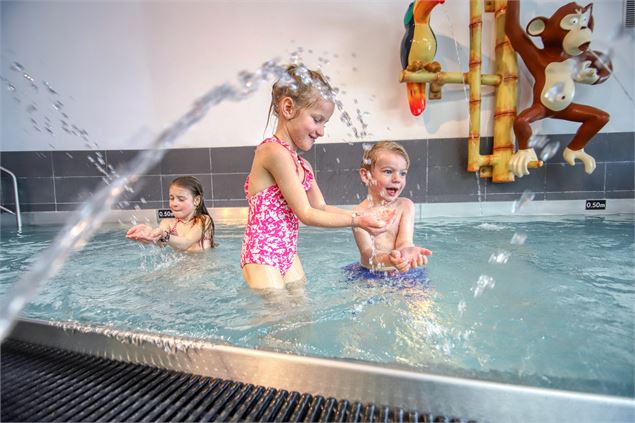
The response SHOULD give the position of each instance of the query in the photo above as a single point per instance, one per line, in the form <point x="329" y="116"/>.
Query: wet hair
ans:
<point x="372" y="154"/>
<point x="193" y="185"/>
<point x="304" y="86"/>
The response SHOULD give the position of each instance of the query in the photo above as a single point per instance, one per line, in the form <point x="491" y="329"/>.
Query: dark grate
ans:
<point x="629" y="13"/>
<point x="41" y="383"/>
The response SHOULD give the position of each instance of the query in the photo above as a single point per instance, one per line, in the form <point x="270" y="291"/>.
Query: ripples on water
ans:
<point x="560" y="313"/>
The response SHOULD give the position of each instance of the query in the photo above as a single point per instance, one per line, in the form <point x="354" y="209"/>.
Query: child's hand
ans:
<point x="398" y="262"/>
<point x="376" y="223"/>
<point x="144" y="233"/>
<point x="415" y="256"/>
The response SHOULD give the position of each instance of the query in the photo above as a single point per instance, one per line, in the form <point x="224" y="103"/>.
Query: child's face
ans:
<point x="306" y="125"/>
<point x="182" y="203"/>
<point x="387" y="177"/>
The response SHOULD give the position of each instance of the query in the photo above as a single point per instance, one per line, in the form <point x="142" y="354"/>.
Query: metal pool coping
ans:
<point x="364" y="382"/>
<point x="484" y="209"/>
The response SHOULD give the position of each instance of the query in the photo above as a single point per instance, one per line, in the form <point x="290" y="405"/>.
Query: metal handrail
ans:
<point x="17" y="215"/>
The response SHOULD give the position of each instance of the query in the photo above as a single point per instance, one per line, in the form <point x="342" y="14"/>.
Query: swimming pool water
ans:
<point x="556" y="310"/>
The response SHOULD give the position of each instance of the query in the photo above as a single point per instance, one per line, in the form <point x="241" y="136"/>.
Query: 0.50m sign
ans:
<point x="595" y="205"/>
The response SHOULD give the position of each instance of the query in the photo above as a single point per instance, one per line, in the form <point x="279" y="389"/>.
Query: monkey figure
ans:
<point x="564" y="59"/>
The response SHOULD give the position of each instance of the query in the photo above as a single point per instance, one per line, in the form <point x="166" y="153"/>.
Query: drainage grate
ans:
<point x="41" y="383"/>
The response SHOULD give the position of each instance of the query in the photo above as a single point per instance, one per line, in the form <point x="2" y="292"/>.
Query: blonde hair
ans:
<point x="302" y="85"/>
<point x="371" y="155"/>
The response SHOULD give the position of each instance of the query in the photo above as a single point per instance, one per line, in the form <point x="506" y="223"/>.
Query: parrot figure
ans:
<point x="418" y="48"/>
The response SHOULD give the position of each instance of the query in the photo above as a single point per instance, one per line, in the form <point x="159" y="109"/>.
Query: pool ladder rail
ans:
<point x="16" y="213"/>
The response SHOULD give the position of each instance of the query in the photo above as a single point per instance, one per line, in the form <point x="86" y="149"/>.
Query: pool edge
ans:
<point x="366" y="382"/>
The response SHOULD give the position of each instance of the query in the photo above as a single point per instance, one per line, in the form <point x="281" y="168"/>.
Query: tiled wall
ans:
<point x="61" y="180"/>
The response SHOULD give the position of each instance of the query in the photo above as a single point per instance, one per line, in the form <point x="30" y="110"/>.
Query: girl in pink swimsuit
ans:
<point x="281" y="188"/>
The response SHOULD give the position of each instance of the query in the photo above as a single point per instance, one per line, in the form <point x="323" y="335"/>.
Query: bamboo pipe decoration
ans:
<point x="474" y="159"/>
<point x="504" y="80"/>
<point x="505" y="109"/>
<point x="446" y="77"/>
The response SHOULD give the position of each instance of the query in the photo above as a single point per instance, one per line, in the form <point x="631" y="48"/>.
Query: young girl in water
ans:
<point x="281" y="188"/>
<point x="191" y="229"/>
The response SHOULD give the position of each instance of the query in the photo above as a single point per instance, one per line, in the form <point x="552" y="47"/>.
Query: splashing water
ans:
<point x="499" y="257"/>
<point x="526" y="197"/>
<point x="602" y="61"/>
<point x="549" y="150"/>
<point x="478" y="192"/>
<point x="537" y="141"/>
<point x="89" y="217"/>
<point x="461" y="307"/>
<point x="518" y="238"/>
<point x="484" y="282"/>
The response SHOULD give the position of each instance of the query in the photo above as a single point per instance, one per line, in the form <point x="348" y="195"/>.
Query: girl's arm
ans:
<point x="280" y="165"/>
<point x="183" y="242"/>
<point x="316" y="199"/>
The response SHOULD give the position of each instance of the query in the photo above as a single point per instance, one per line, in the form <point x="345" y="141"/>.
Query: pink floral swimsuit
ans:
<point x="271" y="235"/>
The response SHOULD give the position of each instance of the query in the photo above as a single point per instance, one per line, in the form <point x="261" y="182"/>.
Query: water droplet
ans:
<point x="49" y="88"/>
<point x="526" y="197"/>
<point x="58" y="105"/>
<point x="31" y="108"/>
<point x="143" y="200"/>
<point x="17" y="67"/>
<point x="10" y="87"/>
<point x="461" y="307"/>
<point x="499" y="257"/>
<point x="518" y="238"/>
<point x="537" y="141"/>
<point x="337" y="159"/>
<point x="484" y="282"/>
<point x="549" y="150"/>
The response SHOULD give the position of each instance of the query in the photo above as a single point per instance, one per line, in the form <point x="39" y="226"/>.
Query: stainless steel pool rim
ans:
<point x="499" y="209"/>
<point x="366" y="382"/>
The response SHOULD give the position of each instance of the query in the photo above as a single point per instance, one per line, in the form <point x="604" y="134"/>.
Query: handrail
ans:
<point x="18" y="217"/>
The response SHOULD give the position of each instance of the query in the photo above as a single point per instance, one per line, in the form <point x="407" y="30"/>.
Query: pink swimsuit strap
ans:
<point x="308" y="175"/>
<point x="271" y="234"/>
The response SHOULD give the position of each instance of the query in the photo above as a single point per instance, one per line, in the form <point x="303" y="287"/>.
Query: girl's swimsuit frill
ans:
<point x="414" y="277"/>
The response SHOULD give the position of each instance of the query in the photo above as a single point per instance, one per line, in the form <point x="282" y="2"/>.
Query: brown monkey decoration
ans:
<point x="564" y="59"/>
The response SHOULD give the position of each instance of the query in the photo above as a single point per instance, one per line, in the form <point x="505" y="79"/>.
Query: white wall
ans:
<point x="126" y="70"/>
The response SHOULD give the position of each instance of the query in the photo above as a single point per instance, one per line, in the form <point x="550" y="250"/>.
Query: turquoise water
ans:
<point x="557" y="310"/>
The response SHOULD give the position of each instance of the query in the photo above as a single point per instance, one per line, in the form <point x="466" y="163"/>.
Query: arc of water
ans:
<point x="89" y="217"/>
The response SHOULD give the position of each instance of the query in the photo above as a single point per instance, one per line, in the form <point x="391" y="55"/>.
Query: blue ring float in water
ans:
<point x="413" y="277"/>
